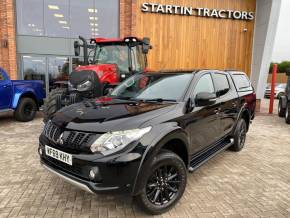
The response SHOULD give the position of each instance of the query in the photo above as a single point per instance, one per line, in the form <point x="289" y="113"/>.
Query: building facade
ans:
<point x="37" y="35"/>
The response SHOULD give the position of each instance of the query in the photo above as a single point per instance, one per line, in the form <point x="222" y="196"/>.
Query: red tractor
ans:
<point x="106" y="62"/>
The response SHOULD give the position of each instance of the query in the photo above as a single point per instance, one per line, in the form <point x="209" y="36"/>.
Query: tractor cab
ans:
<point x="113" y="60"/>
<point x="103" y="64"/>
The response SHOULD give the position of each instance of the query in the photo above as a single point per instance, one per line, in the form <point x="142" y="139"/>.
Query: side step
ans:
<point x="198" y="161"/>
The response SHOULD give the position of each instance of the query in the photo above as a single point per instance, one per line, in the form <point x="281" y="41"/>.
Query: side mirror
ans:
<point x="205" y="99"/>
<point x="77" y="48"/>
<point x="146" y="45"/>
<point x="288" y="71"/>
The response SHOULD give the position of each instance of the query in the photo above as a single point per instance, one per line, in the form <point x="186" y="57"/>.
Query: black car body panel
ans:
<point x="194" y="132"/>
<point x="111" y="116"/>
<point x="284" y="101"/>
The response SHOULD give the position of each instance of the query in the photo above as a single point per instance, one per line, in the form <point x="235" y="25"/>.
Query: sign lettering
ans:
<point x="200" y="12"/>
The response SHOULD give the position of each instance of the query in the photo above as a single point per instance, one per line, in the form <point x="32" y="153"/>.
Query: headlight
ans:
<point x="113" y="141"/>
<point x="84" y="86"/>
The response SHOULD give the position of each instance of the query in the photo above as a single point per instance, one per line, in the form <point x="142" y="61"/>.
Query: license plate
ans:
<point x="58" y="155"/>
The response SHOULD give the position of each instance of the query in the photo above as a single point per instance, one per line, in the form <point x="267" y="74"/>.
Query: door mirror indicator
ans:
<point x="205" y="99"/>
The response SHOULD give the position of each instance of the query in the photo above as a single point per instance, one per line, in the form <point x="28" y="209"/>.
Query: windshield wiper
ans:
<point x="157" y="100"/>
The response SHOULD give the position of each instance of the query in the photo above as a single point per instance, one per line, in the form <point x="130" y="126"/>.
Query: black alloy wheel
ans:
<point x="163" y="184"/>
<point x="243" y="134"/>
<point x="239" y="136"/>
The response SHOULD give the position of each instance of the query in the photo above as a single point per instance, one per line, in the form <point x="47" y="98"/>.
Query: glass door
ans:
<point x="58" y="71"/>
<point x="34" y="68"/>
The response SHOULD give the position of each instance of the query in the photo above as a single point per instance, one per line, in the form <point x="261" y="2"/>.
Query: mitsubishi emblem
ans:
<point x="80" y="111"/>
<point x="60" y="139"/>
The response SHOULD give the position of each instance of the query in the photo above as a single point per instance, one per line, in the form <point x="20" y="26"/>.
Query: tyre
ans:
<point x="240" y="135"/>
<point x="52" y="103"/>
<point x="287" y="114"/>
<point x="281" y="110"/>
<point x="25" y="110"/>
<point x="164" y="184"/>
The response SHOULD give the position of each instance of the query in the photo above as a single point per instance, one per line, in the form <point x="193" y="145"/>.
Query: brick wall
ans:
<point x="7" y="38"/>
<point x="127" y="17"/>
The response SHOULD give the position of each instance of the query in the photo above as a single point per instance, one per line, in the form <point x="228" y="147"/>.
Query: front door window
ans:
<point x="205" y="84"/>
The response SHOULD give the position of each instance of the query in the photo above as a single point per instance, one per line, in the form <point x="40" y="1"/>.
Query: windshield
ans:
<point x="112" y="54"/>
<point x="153" y="86"/>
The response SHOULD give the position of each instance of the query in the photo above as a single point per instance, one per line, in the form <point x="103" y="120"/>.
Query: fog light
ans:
<point x="92" y="174"/>
<point x="40" y="151"/>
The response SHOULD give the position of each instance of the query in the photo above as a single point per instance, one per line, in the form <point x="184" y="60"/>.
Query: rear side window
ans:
<point x="242" y="82"/>
<point x="221" y="83"/>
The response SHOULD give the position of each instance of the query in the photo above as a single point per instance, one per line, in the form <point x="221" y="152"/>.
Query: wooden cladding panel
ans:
<point x="191" y="42"/>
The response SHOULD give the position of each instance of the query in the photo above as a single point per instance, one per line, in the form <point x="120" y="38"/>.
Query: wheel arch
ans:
<point x="17" y="98"/>
<point x="246" y="116"/>
<point x="168" y="142"/>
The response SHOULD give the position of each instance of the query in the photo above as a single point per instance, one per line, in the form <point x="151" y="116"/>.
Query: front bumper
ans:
<point x="116" y="174"/>
<point x="73" y="181"/>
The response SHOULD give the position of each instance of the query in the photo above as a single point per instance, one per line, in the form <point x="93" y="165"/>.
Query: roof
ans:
<point x="112" y="40"/>
<point x="193" y="71"/>
<point x="104" y="40"/>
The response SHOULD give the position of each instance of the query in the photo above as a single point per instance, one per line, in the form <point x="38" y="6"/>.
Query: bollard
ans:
<point x="274" y="74"/>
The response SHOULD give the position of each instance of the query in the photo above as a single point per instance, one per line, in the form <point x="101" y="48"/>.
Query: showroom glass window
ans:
<point x="94" y="18"/>
<point x="30" y="17"/>
<point x="83" y="14"/>
<point x="34" y="68"/>
<point x="68" y="18"/>
<point x="56" y="19"/>
<point x="58" y="71"/>
<point x="107" y="18"/>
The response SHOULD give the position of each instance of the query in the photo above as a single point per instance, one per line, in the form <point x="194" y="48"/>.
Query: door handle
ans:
<point x="5" y="86"/>
<point x="234" y="104"/>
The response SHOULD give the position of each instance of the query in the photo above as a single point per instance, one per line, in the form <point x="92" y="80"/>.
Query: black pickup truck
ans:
<point x="284" y="101"/>
<point x="148" y="133"/>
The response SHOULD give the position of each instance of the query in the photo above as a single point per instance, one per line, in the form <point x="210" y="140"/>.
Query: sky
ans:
<point x="282" y="42"/>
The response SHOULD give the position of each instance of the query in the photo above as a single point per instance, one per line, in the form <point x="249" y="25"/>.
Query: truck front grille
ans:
<point x="71" y="140"/>
<point x="52" y="132"/>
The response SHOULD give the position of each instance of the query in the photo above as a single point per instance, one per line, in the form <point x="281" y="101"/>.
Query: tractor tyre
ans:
<point x="52" y="103"/>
